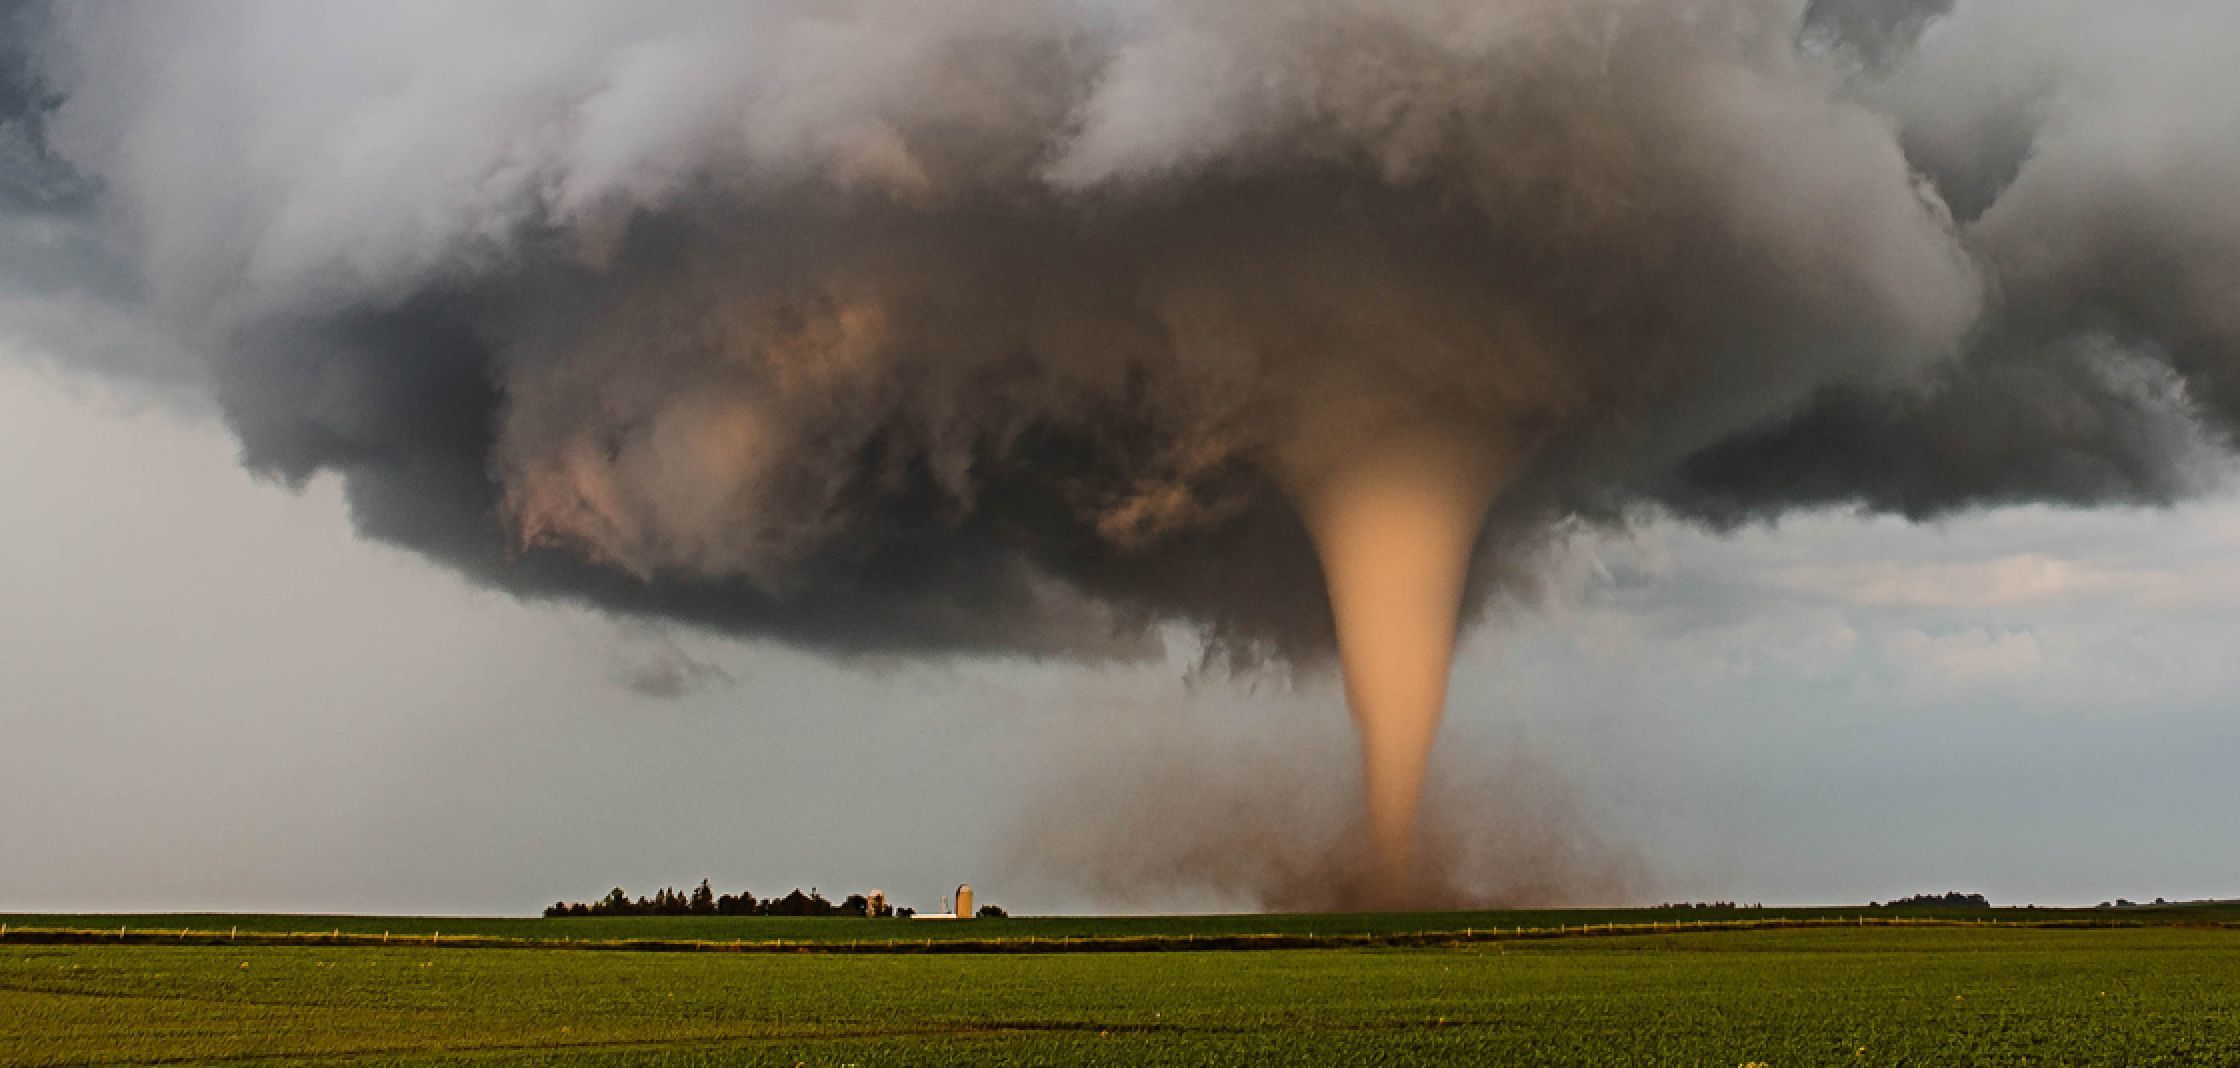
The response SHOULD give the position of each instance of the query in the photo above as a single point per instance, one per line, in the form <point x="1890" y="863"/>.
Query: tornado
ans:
<point x="1394" y="515"/>
<point x="934" y="329"/>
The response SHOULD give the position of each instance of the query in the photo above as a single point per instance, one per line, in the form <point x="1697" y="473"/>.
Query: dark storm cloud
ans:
<point x="32" y="180"/>
<point x="2077" y="422"/>
<point x="981" y="325"/>
<point x="2091" y="152"/>
<point x="66" y="280"/>
<point x="1878" y="31"/>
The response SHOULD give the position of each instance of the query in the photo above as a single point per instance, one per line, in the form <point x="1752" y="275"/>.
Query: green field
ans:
<point x="2164" y="993"/>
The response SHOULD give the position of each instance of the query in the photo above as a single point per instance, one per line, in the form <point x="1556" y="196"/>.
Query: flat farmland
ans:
<point x="1832" y="995"/>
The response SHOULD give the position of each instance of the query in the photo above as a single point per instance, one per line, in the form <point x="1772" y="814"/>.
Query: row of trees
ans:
<point x="704" y="901"/>
<point x="1953" y="900"/>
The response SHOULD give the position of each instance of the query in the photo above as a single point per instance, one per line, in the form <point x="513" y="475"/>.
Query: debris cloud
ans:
<point x="1161" y="825"/>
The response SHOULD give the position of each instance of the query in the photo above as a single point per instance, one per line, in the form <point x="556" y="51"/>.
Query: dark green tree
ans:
<point x="616" y="903"/>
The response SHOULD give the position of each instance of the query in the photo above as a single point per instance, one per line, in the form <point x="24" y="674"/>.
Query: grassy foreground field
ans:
<point x="1849" y="995"/>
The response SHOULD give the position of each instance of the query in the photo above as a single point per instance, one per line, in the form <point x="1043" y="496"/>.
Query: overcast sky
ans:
<point x="217" y="698"/>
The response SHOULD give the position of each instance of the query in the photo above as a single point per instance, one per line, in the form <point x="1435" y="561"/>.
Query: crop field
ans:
<point x="2158" y="993"/>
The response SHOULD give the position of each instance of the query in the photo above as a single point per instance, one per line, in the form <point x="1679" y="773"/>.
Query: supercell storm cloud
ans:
<point x="986" y="325"/>
<point x="1033" y="327"/>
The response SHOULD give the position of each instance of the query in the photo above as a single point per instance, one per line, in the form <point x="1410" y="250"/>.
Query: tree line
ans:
<point x="704" y="901"/>
<point x="1953" y="900"/>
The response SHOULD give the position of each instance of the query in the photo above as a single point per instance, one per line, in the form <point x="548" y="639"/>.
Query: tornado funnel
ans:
<point x="1394" y="519"/>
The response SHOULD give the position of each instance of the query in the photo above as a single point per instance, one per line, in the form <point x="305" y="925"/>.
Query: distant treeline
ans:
<point x="704" y="901"/>
<point x="1953" y="900"/>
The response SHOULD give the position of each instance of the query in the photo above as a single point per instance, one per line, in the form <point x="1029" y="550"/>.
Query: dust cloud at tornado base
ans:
<point x="1150" y="821"/>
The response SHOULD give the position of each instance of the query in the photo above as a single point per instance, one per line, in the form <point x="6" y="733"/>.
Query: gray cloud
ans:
<point x="1879" y="32"/>
<point x="31" y="180"/>
<point x="66" y="280"/>
<point x="980" y="325"/>
<point x="2092" y="150"/>
<point x="669" y="672"/>
<point x="2080" y="421"/>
